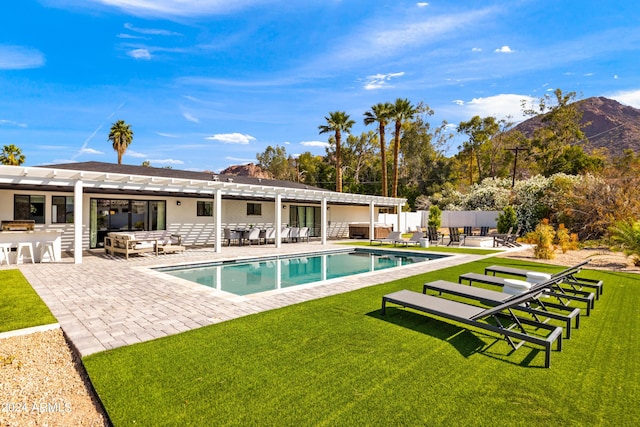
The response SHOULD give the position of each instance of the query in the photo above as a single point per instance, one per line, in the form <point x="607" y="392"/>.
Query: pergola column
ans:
<point x="77" y="222"/>
<point x="218" y="220"/>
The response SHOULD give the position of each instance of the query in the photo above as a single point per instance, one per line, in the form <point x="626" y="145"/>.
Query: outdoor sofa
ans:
<point x="138" y="242"/>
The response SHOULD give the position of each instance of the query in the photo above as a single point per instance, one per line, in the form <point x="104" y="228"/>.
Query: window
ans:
<point x="254" y="209"/>
<point x="61" y="209"/>
<point x="204" y="209"/>
<point x="28" y="207"/>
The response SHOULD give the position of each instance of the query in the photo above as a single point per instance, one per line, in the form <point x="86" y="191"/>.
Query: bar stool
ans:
<point x="5" y="251"/>
<point x="20" y="256"/>
<point x="46" y="248"/>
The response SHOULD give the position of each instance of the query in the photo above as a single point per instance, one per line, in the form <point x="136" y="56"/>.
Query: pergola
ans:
<point x="81" y="181"/>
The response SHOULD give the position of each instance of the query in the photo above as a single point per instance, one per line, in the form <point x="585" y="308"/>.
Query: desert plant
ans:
<point x="626" y="234"/>
<point x="565" y="240"/>
<point x="542" y="237"/>
<point x="507" y="219"/>
<point x="435" y="216"/>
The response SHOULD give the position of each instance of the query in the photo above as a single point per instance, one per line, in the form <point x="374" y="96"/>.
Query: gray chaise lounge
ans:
<point x="575" y="282"/>
<point x="554" y="289"/>
<point x="493" y="298"/>
<point x="473" y="315"/>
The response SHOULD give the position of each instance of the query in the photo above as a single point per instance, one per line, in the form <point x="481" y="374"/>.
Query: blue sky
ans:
<point x="209" y="83"/>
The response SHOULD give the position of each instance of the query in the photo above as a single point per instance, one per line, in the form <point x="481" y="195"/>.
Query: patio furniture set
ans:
<point x="242" y="236"/>
<point x="521" y="312"/>
<point x="139" y="242"/>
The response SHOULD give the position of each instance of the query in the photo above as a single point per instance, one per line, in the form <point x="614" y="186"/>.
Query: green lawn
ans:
<point x="337" y="361"/>
<point x="20" y="305"/>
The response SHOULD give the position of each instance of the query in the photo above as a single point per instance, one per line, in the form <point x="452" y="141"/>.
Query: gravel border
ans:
<point x="43" y="383"/>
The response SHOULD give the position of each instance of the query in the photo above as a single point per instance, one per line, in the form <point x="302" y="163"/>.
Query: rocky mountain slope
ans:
<point x="613" y="126"/>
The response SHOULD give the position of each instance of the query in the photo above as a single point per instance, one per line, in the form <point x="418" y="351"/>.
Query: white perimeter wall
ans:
<point x="410" y="220"/>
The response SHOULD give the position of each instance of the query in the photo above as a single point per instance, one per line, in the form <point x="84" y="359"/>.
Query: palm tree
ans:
<point x="337" y="122"/>
<point x="402" y="111"/>
<point x="380" y="113"/>
<point x="11" y="155"/>
<point x="121" y="135"/>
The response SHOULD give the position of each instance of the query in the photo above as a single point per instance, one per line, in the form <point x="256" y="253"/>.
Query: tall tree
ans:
<point x="11" y="155"/>
<point x="562" y="127"/>
<point x="380" y="114"/>
<point x="277" y="163"/>
<point x="337" y="122"/>
<point x="402" y="111"/>
<point x="480" y="132"/>
<point x="121" y="136"/>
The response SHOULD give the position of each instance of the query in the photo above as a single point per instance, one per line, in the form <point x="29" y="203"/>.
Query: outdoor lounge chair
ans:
<point x="433" y="235"/>
<point x="572" y="280"/>
<point x="455" y="238"/>
<point x="474" y="316"/>
<point x="554" y="289"/>
<point x="467" y="230"/>
<point x="493" y="298"/>
<point x="414" y="239"/>
<point x="393" y="237"/>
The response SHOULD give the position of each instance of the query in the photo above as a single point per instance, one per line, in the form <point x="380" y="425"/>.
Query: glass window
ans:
<point x="28" y="207"/>
<point x="254" y="209"/>
<point x="204" y="208"/>
<point x="62" y="209"/>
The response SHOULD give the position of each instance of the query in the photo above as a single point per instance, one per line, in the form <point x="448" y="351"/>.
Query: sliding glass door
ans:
<point x="306" y="216"/>
<point x="108" y="215"/>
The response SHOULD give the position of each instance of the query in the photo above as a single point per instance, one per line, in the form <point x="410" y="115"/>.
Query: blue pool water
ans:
<point x="259" y="275"/>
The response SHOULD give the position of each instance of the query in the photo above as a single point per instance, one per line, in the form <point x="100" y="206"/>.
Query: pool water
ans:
<point x="265" y="274"/>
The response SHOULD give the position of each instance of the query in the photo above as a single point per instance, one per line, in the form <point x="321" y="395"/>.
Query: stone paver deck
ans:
<point x="108" y="302"/>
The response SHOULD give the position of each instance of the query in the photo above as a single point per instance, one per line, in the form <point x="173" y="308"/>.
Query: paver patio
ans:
<point x="108" y="302"/>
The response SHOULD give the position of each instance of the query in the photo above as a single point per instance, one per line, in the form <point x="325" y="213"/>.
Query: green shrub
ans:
<point x="507" y="219"/>
<point x="435" y="216"/>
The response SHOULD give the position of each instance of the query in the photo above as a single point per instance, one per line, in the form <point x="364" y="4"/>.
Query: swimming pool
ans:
<point x="247" y="277"/>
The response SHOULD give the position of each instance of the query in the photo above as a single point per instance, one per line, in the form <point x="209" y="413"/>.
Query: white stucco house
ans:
<point x="84" y="201"/>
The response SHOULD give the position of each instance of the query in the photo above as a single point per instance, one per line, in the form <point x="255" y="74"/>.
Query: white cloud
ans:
<point x="131" y="36"/>
<point x="139" y="54"/>
<point x="86" y="150"/>
<point x="629" y="97"/>
<point x="476" y="49"/>
<point x="422" y="4"/>
<point x="615" y="77"/>
<point x="504" y="49"/>
<point x="135" y="154"/>
<point x="232" y="138"/>
<point x="166" y="161"/>
<point x="239" y="159"/>
<point x="314" y="144"/>
<point x="166" y="135"/>
<point x="151" y="31"/>
<point x="499" y="106"/>
<point x="378" y="81"/>
<point x="191" y="118"/>
<point x="12" y="123"/>
<point x="180" y="7"/>
<point x="19" y="58"/>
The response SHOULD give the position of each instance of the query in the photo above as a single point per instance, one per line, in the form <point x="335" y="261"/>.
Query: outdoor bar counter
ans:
<point x="38" y="238"/>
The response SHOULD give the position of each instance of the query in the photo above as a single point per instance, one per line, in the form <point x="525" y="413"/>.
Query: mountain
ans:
<point x="613" y="126"/>
<point x="249" y="169"/>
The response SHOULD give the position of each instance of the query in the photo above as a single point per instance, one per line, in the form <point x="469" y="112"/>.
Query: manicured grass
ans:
<point x="444" y="249"/>
<point x="20" y="305"/>
<point x="337" y="361"/>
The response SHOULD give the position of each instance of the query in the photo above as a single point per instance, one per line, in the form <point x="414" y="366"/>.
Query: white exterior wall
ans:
<point x="340" y="216"/>
<point x="183" y="219"/>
